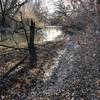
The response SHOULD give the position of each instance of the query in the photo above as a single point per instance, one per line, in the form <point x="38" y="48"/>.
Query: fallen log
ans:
<point x="14" y="67"/>
<point x="7" y="80"/>
<point x="13" y="47"/>
<point x="2" y="45"/>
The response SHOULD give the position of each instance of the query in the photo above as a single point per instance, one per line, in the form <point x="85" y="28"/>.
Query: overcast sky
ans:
<point x="51" y="4"/>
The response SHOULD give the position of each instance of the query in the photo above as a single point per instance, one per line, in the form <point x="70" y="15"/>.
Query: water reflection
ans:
<point x="51" y="32"/>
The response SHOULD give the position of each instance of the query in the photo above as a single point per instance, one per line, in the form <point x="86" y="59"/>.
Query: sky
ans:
<point x="51" y="4"/>
<point x="51" y="7"/>
<point x="48" y="4"/>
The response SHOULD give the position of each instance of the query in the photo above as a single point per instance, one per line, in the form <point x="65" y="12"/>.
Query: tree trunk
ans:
<point x="32" y="50"/>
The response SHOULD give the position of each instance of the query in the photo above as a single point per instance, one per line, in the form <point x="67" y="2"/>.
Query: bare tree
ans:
<point x="8" y="12"/>
<point x="9" y="8"/>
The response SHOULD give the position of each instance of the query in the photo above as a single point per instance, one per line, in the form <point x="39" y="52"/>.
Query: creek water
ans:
<point x="51" y="32"/>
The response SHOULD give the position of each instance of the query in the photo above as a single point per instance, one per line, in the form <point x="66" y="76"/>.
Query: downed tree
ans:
<point x="7" y="80"/>
<point x="13" y="47"/>
<point x="14" y="67"/>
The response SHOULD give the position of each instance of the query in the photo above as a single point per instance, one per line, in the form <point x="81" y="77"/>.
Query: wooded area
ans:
<point x="35" y="68"/>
